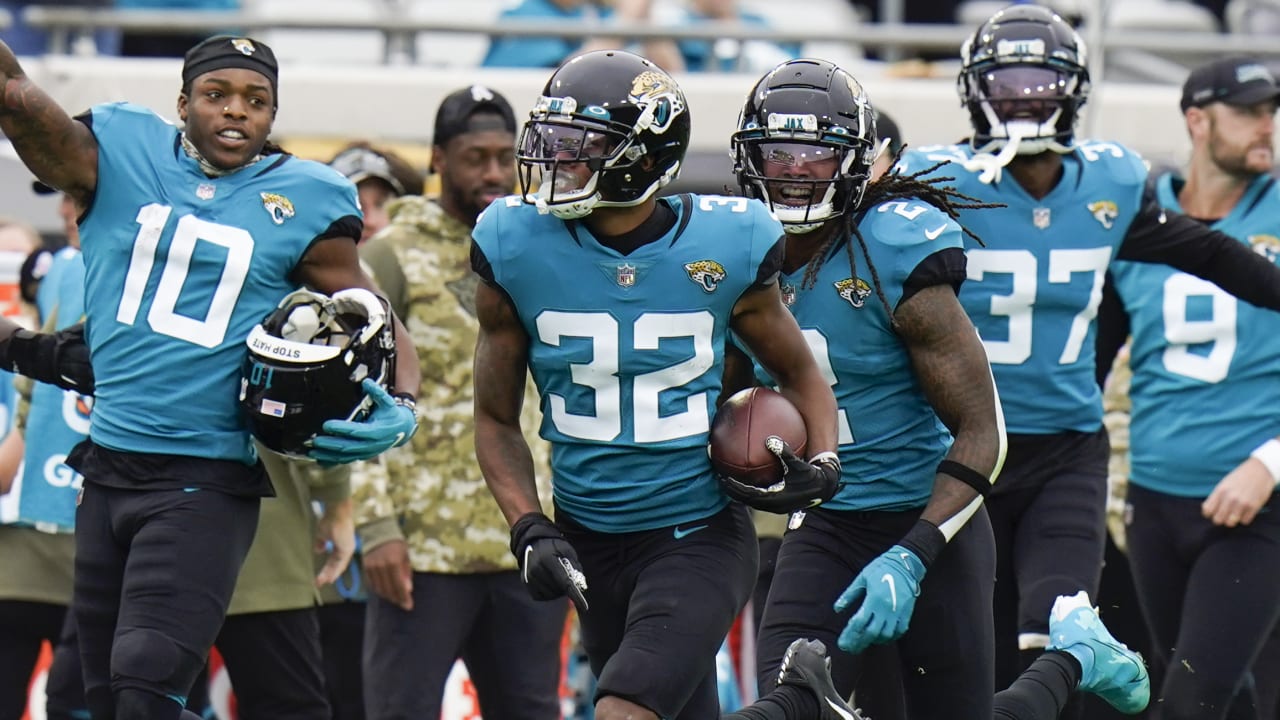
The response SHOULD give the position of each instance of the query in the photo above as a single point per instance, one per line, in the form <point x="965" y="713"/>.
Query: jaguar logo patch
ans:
<point x="279" y="207"/>
<point x="854" y="290"/>
<point x="708" y="274"/>
<point x="1105" y="212"/>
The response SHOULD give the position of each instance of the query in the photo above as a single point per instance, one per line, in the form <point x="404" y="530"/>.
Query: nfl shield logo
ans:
<point x="205" y="191"/>
<point x="1040" y="217"/>
<point x="788" y="293"/>
<point x="626" y="275"/>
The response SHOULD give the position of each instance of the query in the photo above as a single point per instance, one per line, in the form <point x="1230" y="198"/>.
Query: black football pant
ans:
<point x="946" y="654"/>
<point x="1211" y="596"/>
<point x="509" y="642"/>
<point x="155" y="570"/>
<point x="662" y="602"/>
<point x="274" y="662"/>
<point x="341" y="643"/>
<point x="1048" y="514"/>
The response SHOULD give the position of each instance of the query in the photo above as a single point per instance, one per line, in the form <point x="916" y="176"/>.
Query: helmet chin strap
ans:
<point x="991" y="166"/>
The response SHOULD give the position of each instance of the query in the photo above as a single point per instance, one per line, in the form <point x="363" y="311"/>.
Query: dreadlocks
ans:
<point x="895" y="186"/>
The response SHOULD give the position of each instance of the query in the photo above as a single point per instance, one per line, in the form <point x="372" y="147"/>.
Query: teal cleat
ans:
<point x="1109" y="670"/>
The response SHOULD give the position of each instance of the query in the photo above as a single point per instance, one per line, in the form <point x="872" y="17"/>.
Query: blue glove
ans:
<point x="389" y="425"/>
<point x="888" y="587"/>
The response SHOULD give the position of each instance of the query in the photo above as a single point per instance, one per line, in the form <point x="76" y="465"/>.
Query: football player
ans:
<point x="870" y="274"/>
<point x="190" y="236"/>
<point x="620" y="303"/>
<point x="898" y="342"/>
<point x="1203" y="529"/>
<point x="1032" y="290"/>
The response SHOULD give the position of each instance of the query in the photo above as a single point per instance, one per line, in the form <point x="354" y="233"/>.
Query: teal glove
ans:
<point x="389" y="425"/>
<point x="888" y="587"/>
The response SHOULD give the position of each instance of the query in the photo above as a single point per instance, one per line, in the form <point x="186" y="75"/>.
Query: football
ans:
<point x="739" y="431"/>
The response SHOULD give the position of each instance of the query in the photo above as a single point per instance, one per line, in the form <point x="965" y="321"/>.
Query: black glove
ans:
<point x="60" y="358"/>
<point x="548" y="563"/>
<point x="804" y="483"/>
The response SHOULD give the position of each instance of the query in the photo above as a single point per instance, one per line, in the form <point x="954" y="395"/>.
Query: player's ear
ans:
<point x="1197" y="121"/>
<point x="437" y="158"/>
<point x="182" y="107"/>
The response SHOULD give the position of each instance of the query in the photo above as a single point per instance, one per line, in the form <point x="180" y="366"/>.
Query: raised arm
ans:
<point x="59" y="150"/>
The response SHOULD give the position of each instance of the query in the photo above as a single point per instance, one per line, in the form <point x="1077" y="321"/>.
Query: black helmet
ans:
<point x="306" y="362"/>
<point x="805" y="115"/>
<point x="1024" y="73"/>
<point x="602" y="112"/>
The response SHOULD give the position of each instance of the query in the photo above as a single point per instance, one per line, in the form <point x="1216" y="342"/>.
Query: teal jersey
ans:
<point x="1206" y="381"/>
<point x="891" y="440"/>
<point x="179" y="268"/>
<point x="47" y="296"/>
<point x="56" y="421"/>
<point x="627" y="350"/>
<point x="1034" y="286"/>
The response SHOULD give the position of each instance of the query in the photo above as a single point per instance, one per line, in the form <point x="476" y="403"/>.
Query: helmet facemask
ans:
<point x="805" y="143"/>
<point x="1024" y="79"/>
<point x="610" y="130"/>
<point x="1034" y="104"/>
<point x="804" y="183"/>
<point x="565" y="158"/>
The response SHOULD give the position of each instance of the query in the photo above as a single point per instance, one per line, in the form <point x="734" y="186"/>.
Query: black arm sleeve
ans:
<point x="1160" y="236"/>
<point x="1113" y="329"/>
<point x="767" y="274"/>
<point x="945" y="267"/>
<point x="480" y="264"/>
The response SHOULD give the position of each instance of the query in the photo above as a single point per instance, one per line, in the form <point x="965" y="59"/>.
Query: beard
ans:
<point x="1240" y="162"/>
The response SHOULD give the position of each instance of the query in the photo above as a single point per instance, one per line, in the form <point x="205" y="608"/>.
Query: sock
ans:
<point x="1042" y="690"/>
<point x="786" y="702"/>
<point x="134" y="703"/>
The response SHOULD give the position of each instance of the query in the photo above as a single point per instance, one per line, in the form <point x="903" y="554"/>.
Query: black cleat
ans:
<point x="806" y="665"/>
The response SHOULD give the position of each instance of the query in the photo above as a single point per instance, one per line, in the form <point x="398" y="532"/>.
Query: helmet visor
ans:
<point x="807" y="161"/>
<point x="548" y="142"/>
<point x="1025" y="92"/>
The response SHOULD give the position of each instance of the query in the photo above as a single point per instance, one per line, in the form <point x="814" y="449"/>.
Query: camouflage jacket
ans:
<point x="1116" y="408"/>
<point x="430" y="492"/>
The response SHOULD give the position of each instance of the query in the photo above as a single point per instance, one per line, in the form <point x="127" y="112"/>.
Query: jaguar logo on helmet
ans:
<point x="305" y="364"/>
<point x="279" y="207"/>
<point x="708" y="274"/>
<point x="657" y="93"/>
<point x="1105" y="212"/>
<point x="244" y="46"/>
<point x="854" y="290"/>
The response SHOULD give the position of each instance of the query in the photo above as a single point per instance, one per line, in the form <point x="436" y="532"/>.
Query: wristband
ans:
<point x="1268" y="453"/>
<point x="925" y="540"/>
<point x="826" y="457"/>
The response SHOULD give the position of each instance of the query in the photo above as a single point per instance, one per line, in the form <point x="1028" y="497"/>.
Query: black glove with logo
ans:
<point x="805" y="483"/>
<point x="60" y="358"/>
<point x="548" y="563"/>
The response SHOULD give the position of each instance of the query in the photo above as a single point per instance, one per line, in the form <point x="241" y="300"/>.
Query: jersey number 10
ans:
<point x="163" y="316"/>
